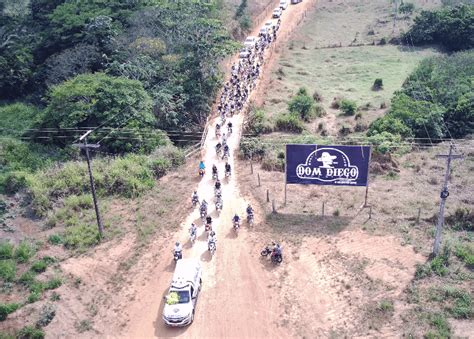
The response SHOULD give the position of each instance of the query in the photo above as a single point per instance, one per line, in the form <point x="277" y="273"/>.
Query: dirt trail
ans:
<point x="235" y="300"/>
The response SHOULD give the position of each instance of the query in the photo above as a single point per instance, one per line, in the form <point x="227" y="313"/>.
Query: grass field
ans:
<point x="347" y="72"/>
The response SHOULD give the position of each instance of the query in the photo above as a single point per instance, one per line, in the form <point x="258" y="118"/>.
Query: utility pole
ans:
<point x="444" y="195"/>
<point x="86" y="147"/>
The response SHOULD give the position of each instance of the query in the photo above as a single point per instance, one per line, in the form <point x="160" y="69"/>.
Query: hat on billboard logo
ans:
<point x="328" y="164"/>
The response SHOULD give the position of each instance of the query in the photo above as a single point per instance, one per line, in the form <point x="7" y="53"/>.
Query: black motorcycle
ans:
<point x="178" y="255"/>
<point x="276" y="259"/>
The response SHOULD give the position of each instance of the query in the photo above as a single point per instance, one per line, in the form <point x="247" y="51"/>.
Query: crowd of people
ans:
<point x="234" y="96"/>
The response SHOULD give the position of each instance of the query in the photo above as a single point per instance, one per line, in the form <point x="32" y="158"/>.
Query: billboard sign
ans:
<point x="327" y="165"/>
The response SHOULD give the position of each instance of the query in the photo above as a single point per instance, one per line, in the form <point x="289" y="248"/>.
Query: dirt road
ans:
<point x="235" y="300"/>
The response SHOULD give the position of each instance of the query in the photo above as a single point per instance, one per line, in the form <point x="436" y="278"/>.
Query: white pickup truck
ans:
<point x="180" y="302"/>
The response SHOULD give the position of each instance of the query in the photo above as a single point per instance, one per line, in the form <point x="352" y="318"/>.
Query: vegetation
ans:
<point x="436" y="101"/>
<point x="302" y="105"/>
<point x="348" y="107"/>
<point x="450" y="27"/>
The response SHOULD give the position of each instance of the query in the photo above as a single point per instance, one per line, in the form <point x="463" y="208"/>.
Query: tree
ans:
<point x="451" y="27"/>
<point x="90" y="100"/>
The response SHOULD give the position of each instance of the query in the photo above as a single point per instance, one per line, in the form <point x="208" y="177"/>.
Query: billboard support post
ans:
<point x="368" y="174"/>
<point x="286" y="179"/>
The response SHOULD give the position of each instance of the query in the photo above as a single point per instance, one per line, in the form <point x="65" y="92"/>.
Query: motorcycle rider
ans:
<point x="236" y="218"/>
<point x="218" y="147"/>
<point x="211" y="239"/>
<point x="217" y="185"/>
<point x="276" y="250"/>
<point x="226" y="151"/>
<point x="214" y="170"/>
<point x="204" y="206"/>
<point x="224" y="138"/>
<point x="193" y="229"/>
<point x="229" y="127"/>
<point x="209" y="220"/>
<point x="227" y="168"/>
<point x="178" y="249"/>
<point x="195" y="198"/>
<point x="202" y="167"/>
<point x="249" y="209"/>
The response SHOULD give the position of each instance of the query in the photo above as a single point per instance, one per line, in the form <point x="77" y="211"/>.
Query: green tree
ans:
<point x="98" y="99"/>
<point x="451" y="27"/>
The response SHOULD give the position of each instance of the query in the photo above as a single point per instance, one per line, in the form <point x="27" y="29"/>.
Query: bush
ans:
<point x="271" y="162"/>
<point x="27" y="278"/>
<point x="30" y="332"/>
<point x="319" y="111"/>
<point x="462" y="219"/>
<point x="258" y="124"/>
<point x="317" y="96"/>
<point x="386" y="306"/>
<point x="46" y="315"/>
<point x="378" y="84"/>
<point x="55" y="239"/>
<point x="53" y="283"/>
<point x="6" y="309"/>
<point x="252" y="148"/>
<point x="33" y="297"/>
<point x="348" y="107"/>
<point x="24" y="251"/>
<point x="438" y="320"/>
<point x="465" y="253"/>
<point x="78" y="202"/>
<point x="302" y="105"/>
<point x="289" y="123"/>
<point x="6" y="250"/>
<point x="7" y="270"/>
<point x="39" y="266"/>
<point x="160" y="167"/>
<point x="81" y="236"/>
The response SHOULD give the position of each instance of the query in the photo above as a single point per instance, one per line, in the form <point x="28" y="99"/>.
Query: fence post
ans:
<point x="370" y="212"/>
<point x="258" y="176"/>
<point x="273" y="206"/>
<point x="251" y="167"/>
<point x="323" y="209"/>
<point x="418" y="216"/>
<point x="268" y="196"/>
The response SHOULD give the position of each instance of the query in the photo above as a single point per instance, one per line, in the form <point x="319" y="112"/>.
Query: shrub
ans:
<point x="465" y="253"/>
<point x="55" y="239"/>
<point x="6" y="250"/>
<point x="348" y="107"/>
<point x="317" y="96"/>
<point x="47" y="314"/>
<point x="344" y="130"/>
<point x="378" y="84"/>
<point x="438" y="320"/>
<point x="6" y="309"/>
<point x="30" y="332"/>
<point x="406" y="8"/>
<point x="462" y="219"/>
<point x="39" y="266"/>
<point x="386" y="306"/>
<point x="302" y="105"/>
<point x="252" y="148"/>
<point x="33" y="297"/>
<point x="24" y="251"/>
<point x="81" y="236"/>
<point x="27" y="278"/>
<point x="258" y="124"/>
<point x="171" y="153"/>
<point x="271" y="162"/>
<point x="78" y="202"/>
<point x="7" y="270"/>
<point x="289" y="123"/>
<point x="319" y="111"/>
<point x="336" y="213"/>
<point x="53" y="283"/>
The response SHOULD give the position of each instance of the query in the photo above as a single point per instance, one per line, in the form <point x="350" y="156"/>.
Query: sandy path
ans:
<point x="235" y="300"/>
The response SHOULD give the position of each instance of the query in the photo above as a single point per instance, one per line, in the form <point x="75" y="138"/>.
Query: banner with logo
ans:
<point x="327" y="165"/>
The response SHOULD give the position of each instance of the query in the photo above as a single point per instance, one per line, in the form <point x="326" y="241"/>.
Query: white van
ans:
<point x="180" y="302"/>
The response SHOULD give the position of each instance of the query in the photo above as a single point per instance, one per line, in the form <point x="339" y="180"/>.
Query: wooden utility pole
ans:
<point x="86" y="147"/>
<point x="444" y="195"/>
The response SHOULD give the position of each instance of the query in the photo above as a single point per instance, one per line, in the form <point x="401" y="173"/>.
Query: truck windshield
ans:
<point x="177" y="297"/>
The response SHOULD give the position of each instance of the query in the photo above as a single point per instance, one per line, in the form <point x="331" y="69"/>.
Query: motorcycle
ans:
<point x="236" y="225"/>
<point x="201" y="172"/>
<point x="212" y="247"/>
<point x="218" y="151"/>
<point x="217" y="192"/>
<point x="178" y="255"/>
<point x="229" y="130"/>
<point x="227" y="174"/>
<point x="250" y="219"/>
<point x="276" y="259"/>
<point x="203" y="214"/>
<point x="218" y="207"/>
<point x="215" y="176"/>
<point x="195" y="201"/>
<point x="218" y="133"/>
<point x="192" y="236"/>
<point x="208" y="228"/>
<point x="225" y="156"/>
